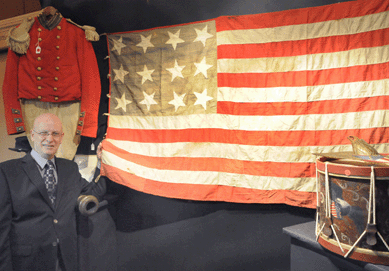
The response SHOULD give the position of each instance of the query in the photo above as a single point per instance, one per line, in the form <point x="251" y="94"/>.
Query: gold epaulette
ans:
<point x="90" y="31"/>
<point x="18" y="39"/>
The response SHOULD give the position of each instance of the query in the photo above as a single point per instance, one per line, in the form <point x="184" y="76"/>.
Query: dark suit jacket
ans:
<point x="29" y="226"/>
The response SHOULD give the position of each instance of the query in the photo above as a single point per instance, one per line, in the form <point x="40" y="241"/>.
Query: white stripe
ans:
<point x="346" y="26"/>
<point x="210" y="178"/>
<point x="305" y="94"/>
<point x="353" y="120"/>
<point x="234" y="151"/>
<point x="355" y="57"/>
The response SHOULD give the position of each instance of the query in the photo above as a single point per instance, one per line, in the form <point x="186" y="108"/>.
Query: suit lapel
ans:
<point x="31" y="169"/>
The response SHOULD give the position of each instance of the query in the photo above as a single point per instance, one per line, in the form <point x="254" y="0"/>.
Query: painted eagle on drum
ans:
<point x="341" y="208"/>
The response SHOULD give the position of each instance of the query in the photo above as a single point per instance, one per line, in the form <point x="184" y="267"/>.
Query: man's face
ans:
<point x="47" y="136"/>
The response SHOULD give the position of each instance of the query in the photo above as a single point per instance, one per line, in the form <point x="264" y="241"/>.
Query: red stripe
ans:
<point x="333" y="210"/>
<point x="304" y="78"/>
<point x="302" y="16"/>
<point x="274" y="169"/>
<point x="305" y="47"/>
<point x="257" y="138"/>
<point x="210" y="192"/>
<point x="304" y="108"/>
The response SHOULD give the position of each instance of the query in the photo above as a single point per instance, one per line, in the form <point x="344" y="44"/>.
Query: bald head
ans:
<point x="47" y="118"/>
<point x="47" y="135"/>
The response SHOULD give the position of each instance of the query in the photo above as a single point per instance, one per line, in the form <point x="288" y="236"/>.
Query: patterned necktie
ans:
<point x="50" y="181"/>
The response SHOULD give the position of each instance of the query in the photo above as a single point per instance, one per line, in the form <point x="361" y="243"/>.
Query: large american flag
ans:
<point x="231" y="109"/>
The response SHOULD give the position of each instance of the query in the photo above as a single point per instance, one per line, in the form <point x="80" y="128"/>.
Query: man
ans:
<point x="38" y="204"/>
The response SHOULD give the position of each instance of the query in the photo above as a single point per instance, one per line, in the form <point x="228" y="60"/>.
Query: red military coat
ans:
<point x="65" y="70"/>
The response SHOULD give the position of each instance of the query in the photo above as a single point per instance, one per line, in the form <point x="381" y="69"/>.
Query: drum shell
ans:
<point x="349" y="187"/>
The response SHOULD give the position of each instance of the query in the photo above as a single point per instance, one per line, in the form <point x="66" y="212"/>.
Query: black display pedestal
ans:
<point x="307" y="254"/>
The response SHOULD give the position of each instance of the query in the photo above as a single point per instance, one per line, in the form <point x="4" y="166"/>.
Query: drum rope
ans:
<point x="337" y="239"/>
<point x="328" y="205"/>
<point x="317" y="203"/>
<point x="383" y="240"/>
<point x="371" y="198"/>
<point x="371" y="213"/>
<point x="325" y="200"/>
<point x="374" y="207"/>
<point x="327" y="186"/>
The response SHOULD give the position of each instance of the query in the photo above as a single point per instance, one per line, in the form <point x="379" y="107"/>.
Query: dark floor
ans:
<point x="165" y="234"/>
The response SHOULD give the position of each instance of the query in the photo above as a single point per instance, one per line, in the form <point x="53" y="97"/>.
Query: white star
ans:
<point x="203" y="35"/>
<point x="146" y="74"/>
<point x="148" y="100"/>
<point x="174" y="39"/>
<point x="118" y="45"/>
<point x="145" y="43"/>
<point x="176" y="70"/>
<point x="202" y="67"/>
<point x="202" y="98"/>
<point x="122" y="102"/>
<point x="178" y="100"/>
<point x="120" y="73"/>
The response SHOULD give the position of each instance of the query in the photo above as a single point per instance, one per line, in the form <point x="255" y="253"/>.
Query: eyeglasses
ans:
<point x="45" y="134"/>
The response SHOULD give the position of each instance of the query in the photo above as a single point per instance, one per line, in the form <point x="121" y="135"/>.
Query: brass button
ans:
<point x="56" y="78"/>
<point x="58" y="57"/>
<point x="39" y="39"/>
<point x="55" y="221"/>
<point x="39" y="58"/>
<point x="39" y="97"/>
<point x="39" y="87"/>
<point x="55" y="89"/>
<point x="57" y="47"/>
<point x="58" y="37"/>
<point x="57" y="68"/>
<point x="59" y="27"/>
<point x="39" y="68"/>
<point x="39" y="78"/>
<point x="56" y="98"/>
<point x="39" y="29"/>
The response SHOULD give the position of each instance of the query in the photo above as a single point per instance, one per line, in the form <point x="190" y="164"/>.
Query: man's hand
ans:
<point x="99" y="151"/>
